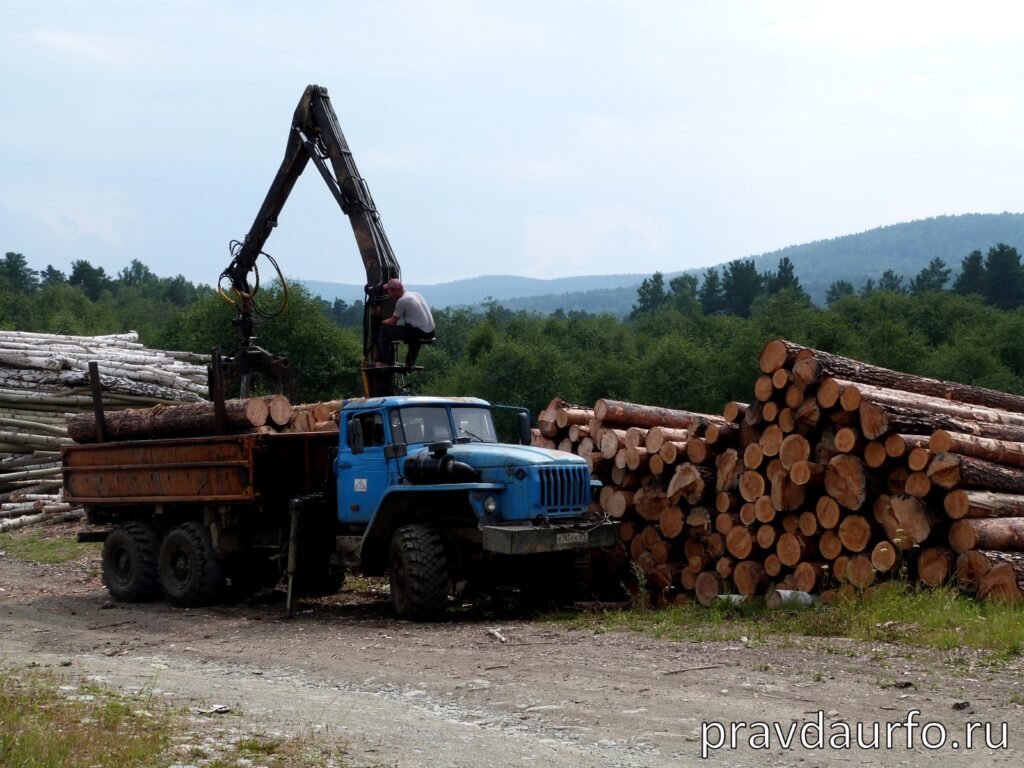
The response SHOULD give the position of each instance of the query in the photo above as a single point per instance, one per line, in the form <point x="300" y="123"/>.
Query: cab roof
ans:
<point x="398" y="401"/>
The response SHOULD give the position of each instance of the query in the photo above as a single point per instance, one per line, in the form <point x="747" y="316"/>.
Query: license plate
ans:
<point x="571" y="538"/>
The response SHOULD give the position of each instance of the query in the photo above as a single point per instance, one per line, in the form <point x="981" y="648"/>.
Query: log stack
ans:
<point x="934" y="468"/>
<point x="657" y="466"/>
<point x="45" y="377"/>
<point x="836" y="477"/>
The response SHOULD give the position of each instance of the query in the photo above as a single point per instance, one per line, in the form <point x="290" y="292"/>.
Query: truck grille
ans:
<point x="564" y="489"/>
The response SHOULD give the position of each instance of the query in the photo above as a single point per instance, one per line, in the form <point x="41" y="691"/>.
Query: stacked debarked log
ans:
<point x="44" y="377"/>
<point x="837" y="476"/>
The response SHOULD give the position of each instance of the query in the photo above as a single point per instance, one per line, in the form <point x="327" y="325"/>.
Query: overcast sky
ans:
<point x="543" y="139"/>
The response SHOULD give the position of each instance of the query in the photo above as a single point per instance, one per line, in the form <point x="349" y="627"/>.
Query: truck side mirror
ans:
<point x="525" y="436"/>
<point x="355" y="435"/>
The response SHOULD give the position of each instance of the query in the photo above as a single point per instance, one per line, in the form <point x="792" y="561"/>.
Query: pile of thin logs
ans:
<point x="837" y="476"/>
<point x="45" y="377"/>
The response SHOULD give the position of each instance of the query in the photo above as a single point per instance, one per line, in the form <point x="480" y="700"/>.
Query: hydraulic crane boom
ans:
<point x="314" y="135"/>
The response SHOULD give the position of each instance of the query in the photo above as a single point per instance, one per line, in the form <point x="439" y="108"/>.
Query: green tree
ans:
<point x="932" y="278"/>
<point x="92" y="280"/>
<point x="839" y="289"/>
<point x="741" y="284"/>
<point x="683" y="294"/>
<point x="135" y="274"/>
<point x="784" y="278"/>
<point x="15" y="273"/>
<point x="650" y="296"/>
<point x="1004" y="277"/>
<point x="972" y="275"/>
<point x="890" y="281"/>
<point x="710" y="293"/>
<point x="52" y="276"/>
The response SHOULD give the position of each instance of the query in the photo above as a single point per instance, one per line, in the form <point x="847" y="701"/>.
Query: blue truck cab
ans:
<point x="427" y="495"/>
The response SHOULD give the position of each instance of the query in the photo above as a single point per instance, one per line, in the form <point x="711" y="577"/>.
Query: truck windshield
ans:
<point x="420" y="425"/>
<point x="474" y="423"/>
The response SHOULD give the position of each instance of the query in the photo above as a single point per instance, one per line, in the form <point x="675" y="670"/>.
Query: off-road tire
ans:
<point x="189" y="570"/>
<point x="130" y="555"/>
<point x="418" y="571"/>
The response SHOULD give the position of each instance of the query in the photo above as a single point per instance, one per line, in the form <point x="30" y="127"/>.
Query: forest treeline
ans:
<point x="687" y="344"/>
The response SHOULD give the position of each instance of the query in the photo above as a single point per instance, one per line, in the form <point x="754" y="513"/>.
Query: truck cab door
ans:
<point x="362" y="475"/>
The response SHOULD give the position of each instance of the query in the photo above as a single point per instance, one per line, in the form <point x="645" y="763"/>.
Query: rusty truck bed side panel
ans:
<point x="204" y="469"/>
<point x="220" y="469"/>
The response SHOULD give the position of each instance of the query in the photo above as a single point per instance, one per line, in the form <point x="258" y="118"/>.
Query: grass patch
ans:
<point x="48" y="721"/>
<point x="940" y="618"/>
<point x="42" y="725"/>
<point x="33" y="546"/>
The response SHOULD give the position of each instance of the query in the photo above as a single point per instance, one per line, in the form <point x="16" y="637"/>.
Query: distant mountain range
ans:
<point x="904" y="248"/>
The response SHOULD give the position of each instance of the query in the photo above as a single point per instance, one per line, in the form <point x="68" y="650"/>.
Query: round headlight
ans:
<point x="490" y="505"/>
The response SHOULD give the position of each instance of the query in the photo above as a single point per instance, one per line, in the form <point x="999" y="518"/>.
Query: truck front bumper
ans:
<point x="533" y="540"/>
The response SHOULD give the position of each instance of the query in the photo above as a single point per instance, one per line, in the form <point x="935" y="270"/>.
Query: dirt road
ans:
<point x="452" y="694"/>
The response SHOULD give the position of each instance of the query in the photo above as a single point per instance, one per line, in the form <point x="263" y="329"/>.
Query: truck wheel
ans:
<point x="418" y="571"/>
<point x="189" y="570"/>
<point x="130" y="563"/>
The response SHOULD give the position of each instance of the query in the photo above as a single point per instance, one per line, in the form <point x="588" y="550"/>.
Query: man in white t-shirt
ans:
<point x="411" y="308"/>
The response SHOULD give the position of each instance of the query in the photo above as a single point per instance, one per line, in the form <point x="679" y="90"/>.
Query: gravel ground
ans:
<point x="392" y="693"/>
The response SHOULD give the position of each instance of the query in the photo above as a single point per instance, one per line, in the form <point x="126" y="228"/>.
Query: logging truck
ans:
<point x="417" y="488"/>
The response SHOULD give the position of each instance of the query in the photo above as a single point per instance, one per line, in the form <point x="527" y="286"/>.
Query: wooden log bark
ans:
<point x="999" y="451"/>
<point x="949" y="470"/>
<point x="1004" y="534"/>
<point x="658" y="436"/>
<point x="878" y="419"/>
<point x="721" y="434"/>
<point x="853" y="370"/>
<point x="621" y="413"/>
<point x="733" y="411"/>
<point x="159" y="421"/>
<point x="975" y="504"/>
<point x="567" y="415"/>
